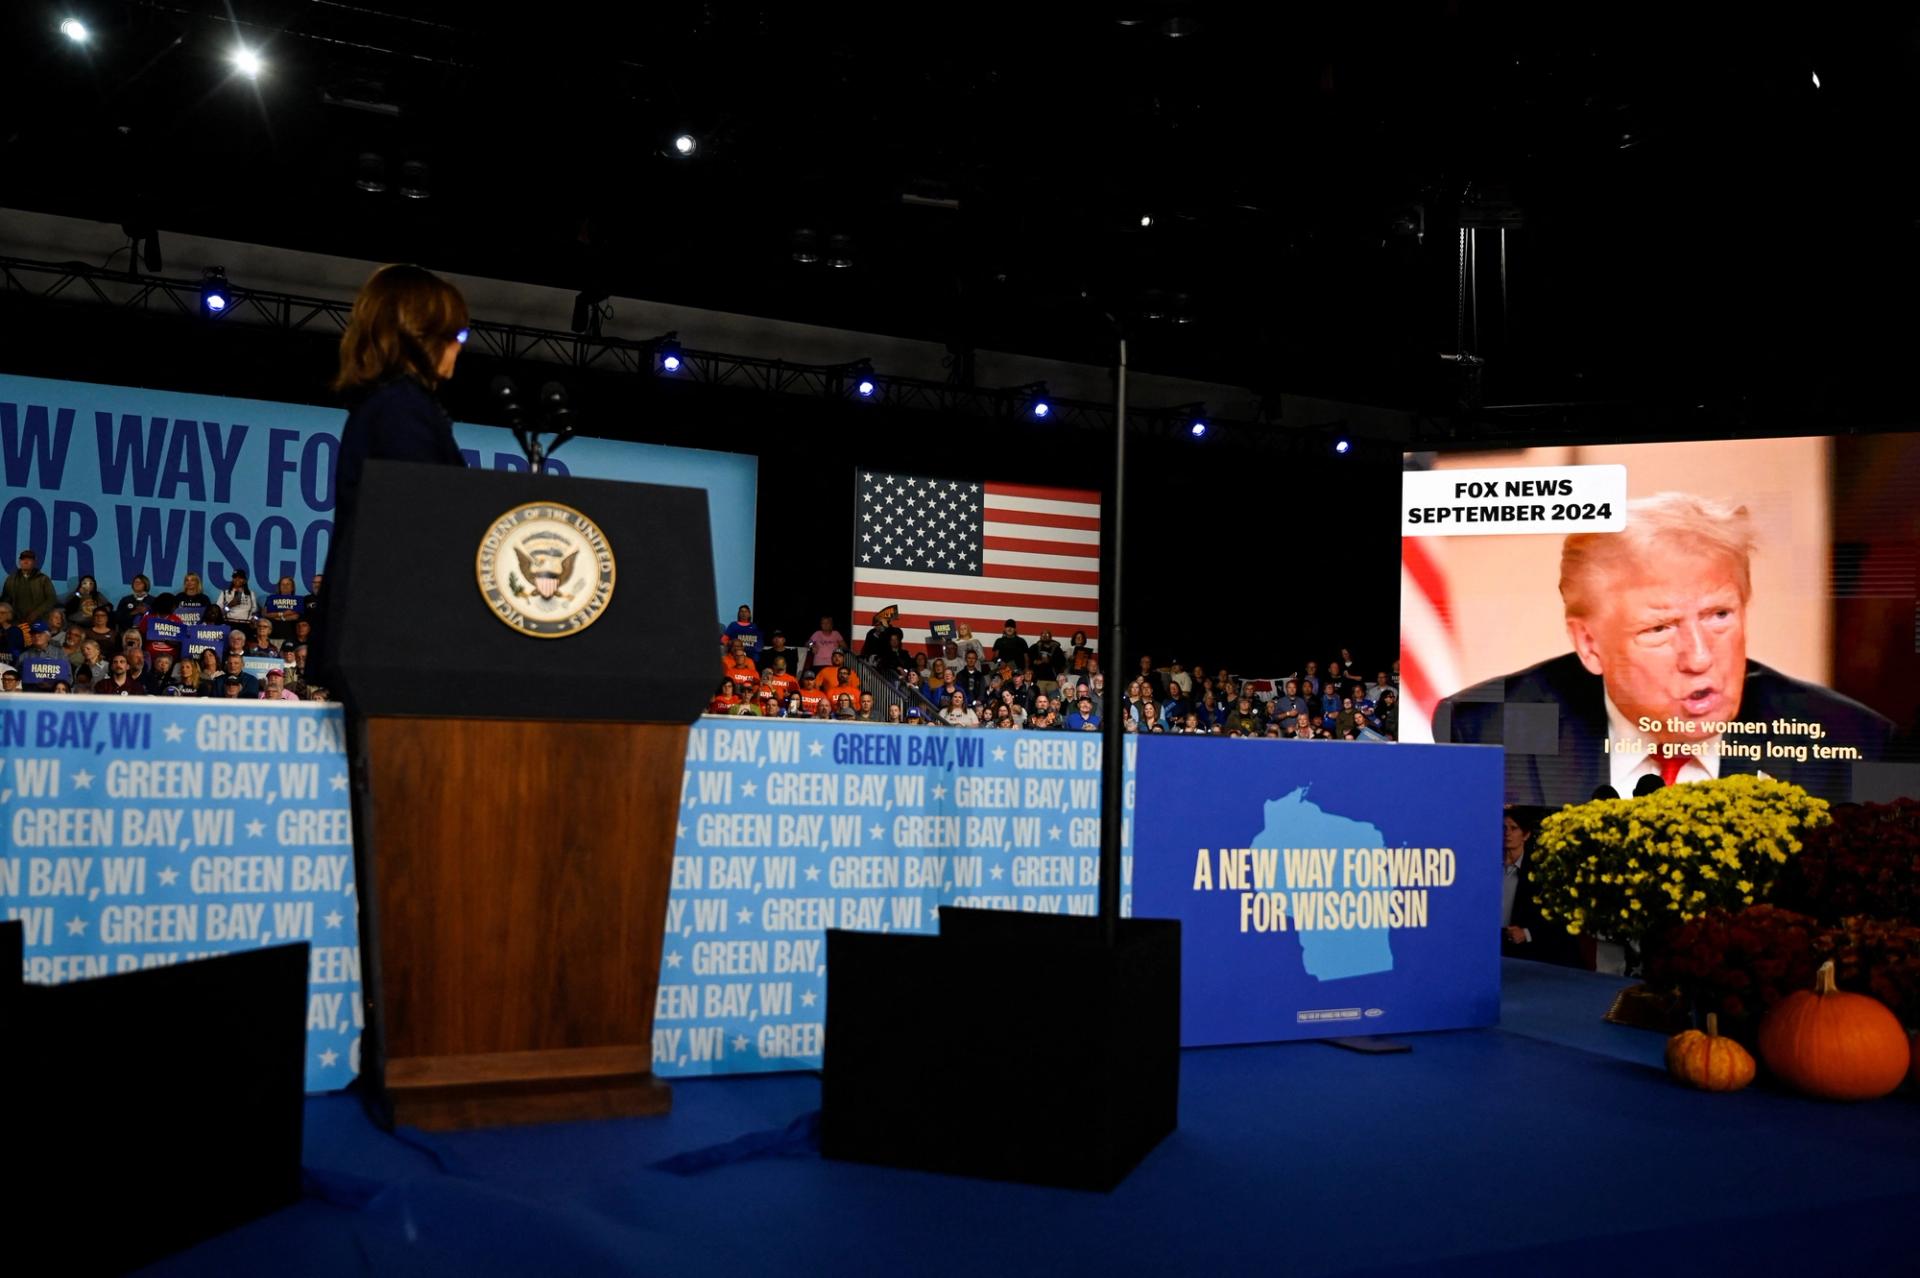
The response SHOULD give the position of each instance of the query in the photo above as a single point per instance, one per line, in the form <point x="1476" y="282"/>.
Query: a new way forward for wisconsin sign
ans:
<point x="1319" y="897"/>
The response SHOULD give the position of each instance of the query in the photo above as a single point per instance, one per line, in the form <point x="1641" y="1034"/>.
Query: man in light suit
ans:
<point x="1658" y="682"/>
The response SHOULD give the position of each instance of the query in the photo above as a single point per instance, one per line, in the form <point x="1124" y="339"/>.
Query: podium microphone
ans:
<point x="559" y="414"/>
<point x="506" y="398"/>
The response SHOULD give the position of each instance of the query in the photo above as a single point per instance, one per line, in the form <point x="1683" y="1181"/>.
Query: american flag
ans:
<point x="1429" y="647"/>
<point x="978" y="553"/>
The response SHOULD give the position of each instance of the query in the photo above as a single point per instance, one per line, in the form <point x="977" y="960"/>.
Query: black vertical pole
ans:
<point x="1113" y="760"/>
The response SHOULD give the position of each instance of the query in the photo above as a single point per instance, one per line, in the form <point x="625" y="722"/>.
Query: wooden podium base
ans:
<point x="499" y="1088"/>
<point x="521" y="872"/>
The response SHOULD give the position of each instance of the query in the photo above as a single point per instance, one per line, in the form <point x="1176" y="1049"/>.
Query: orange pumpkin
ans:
<point x="1707" y="1061"/>
<point x="1826" y="1042"/>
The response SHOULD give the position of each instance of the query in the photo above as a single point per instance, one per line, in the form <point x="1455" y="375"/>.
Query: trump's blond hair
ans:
<point x="1665" y="523"/>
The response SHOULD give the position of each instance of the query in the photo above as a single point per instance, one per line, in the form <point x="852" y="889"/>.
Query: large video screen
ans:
<point x="1681" y="610"/>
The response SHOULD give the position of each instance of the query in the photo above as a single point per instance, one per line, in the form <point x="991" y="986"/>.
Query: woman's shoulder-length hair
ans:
<point x="401" y="321"/>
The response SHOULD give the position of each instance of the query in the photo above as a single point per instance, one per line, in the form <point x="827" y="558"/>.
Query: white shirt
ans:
<point x="1630" y="760"/>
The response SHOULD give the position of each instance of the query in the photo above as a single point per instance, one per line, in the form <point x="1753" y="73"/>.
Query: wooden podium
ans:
<point x="517" y="782"/>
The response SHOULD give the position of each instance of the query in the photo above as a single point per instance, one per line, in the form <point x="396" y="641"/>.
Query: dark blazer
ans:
<point x="1551" y="942"/>
<point x="1556" y="743"/>
<point x="398" y="420"/>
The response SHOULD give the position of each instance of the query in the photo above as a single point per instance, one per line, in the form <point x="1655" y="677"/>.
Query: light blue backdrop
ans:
<point x="143" y="831"/>
<point x="116" y="480"/>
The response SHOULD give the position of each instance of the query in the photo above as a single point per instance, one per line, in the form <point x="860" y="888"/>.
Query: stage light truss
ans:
<point x="78" y="283"/>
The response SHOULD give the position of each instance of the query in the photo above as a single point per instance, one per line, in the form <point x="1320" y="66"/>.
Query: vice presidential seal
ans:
<point x="546" y="570"/>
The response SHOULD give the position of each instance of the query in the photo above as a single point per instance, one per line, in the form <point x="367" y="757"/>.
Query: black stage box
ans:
<point x="1012" y="1046"/>
<point x="154" y="1109"/>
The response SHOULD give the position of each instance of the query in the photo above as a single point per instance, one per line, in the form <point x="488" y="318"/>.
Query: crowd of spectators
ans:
<point x="1015" y="683"/>
<point x="155" y="643"/>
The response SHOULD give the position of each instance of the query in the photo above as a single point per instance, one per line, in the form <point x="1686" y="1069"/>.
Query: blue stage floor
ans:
<point x="1554" y="1142"/>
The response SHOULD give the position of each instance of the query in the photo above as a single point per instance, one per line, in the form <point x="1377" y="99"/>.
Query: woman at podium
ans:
<point x="405" y="334"/>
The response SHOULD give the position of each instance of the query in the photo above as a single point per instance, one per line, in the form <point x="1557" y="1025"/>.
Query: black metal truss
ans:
<point x="76" y="282"/>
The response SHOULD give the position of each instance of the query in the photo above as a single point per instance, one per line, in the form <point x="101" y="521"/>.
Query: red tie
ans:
<point x="1670" y="768"/>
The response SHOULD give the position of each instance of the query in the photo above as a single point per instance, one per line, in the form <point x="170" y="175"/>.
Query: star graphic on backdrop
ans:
<point x="328" y="1057"/>
<point x="998" y="754"/>
<point x="933" y="912"/>
<point x="339" y="781"/>
<point x="748" y="789"/>
<point x="256" y="828"/>
<point x="83" y="780"/>
<point x="874" y="831"/>
<point x="813" y="874"/>
<point x="174" y="732"/>
<point x="807" y="998"/>
<point x="996" y="872"/>
<point x="939" y="792"/>
<point x="1053" y="833"/>
<point x="673" y="958"/>
<point x="814" y="748"/>
<point x="680" y="830"/>
<point x="739" y="1042"/>
<point x="168" y="875"/>
<point x="76" y="927"/>
<point x="334" y="918"/>
<point x="745" y="915"/>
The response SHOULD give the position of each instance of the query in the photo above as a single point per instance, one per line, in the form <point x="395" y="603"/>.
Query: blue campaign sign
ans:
<point x="192" y="613"/>
<point x="47" y="670"/>
<point x="1323" y="890"/>
<point x="284" y="603"/>
<point x="790" y="827"/>
<point x="201" y="638"/>
<point x="150" y="831"/>
<point x="160" y="630"/>
<point x="112" y="481"/>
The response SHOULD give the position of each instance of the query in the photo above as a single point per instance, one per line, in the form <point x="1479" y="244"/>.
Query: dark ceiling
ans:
<point x="1688" y="218"/>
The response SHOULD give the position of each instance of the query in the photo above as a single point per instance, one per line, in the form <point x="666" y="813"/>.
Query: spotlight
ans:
<point x="1146" y="221"/>
<point x="371" y="175"/>
<point x="668" y="349"/>
<point x="414" y="184"/>
<point x="462" y="335"/>
<point x="76" y="31"/>
<point x="840" y="252"/>
<point x="686" y="145"/>
<point x="216" y="295"/>
<point x="586" y="312"/>
<point x="1816" y="74"/>
<point x="1039" y="407"/>
<point x="864" y="384"/>
<point x="806" y="247"/>
<point x="1197" y="428"/>
<point x="1342" y="446"/>
<point x="247" y="62"/>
